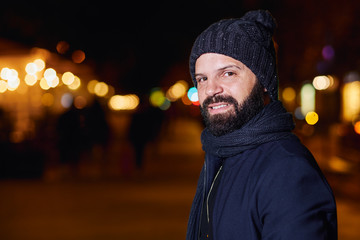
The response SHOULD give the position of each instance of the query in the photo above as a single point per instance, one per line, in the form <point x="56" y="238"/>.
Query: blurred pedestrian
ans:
<point x="258" y="180"/>
<point x="144" y="128"/>
<point x="71" y="140"/>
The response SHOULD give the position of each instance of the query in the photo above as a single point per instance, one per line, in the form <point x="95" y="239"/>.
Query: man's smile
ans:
<point x="221" y="107"/>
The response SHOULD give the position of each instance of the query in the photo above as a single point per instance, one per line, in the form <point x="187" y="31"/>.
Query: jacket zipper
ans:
<point x="207" y="198"/>
<point x="202" y="204"/>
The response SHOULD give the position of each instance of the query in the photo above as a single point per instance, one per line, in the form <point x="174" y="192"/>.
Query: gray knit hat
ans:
<point x="247" y="39"/>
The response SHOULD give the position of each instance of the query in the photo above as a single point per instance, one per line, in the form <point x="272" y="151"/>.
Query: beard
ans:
<point x="223" y="123"/>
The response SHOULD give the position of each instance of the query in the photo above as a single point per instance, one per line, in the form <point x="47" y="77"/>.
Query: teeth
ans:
<point x="220" y="106"/>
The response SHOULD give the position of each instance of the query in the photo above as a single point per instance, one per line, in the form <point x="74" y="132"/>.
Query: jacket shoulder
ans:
<point x="290" y="189"/>
<point x="285" y="153"/>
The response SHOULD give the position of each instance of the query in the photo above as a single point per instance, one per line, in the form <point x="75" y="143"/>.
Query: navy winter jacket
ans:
<point x="273" y="191"/>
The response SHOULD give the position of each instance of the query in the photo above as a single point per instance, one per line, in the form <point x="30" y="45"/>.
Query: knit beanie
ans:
<point x="247" y="39"/>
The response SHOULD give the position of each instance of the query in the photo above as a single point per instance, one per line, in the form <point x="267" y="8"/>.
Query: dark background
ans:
<point x="140" y="40"/>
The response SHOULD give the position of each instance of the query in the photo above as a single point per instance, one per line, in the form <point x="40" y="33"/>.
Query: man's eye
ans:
<point x="228" y="74"/>
<point x="201" y="79"/>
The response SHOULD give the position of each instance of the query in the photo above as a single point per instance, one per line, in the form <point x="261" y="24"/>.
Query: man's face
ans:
<point x="229" y="93"/>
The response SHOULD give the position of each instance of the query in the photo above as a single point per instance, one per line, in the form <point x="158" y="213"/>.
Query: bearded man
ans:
<point x="258" y="180"/>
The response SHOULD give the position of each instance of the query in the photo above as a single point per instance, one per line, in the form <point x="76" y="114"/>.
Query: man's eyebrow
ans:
<point x="198" y="74"/>
<point x="220" y="69"/>
<point x="229" y="66"/>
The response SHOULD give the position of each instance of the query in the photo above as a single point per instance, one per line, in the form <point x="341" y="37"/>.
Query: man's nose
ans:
<point x="213" y="87"/>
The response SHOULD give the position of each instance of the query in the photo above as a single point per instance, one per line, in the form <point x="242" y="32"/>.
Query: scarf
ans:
<point x="272" y="123"/>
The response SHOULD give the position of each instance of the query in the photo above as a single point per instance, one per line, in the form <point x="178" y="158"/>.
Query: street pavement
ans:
<point x="129" y="204"/>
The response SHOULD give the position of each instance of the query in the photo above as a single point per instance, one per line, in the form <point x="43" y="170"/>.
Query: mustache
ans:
<point x="220" y="98"/>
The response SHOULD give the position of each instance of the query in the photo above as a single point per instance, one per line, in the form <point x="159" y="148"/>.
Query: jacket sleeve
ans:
<point x="295" y="202"/>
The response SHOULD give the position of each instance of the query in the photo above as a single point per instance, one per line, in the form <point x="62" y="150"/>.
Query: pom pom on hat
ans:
<point x="262" y="17"/>
<point x="248" y="40"/>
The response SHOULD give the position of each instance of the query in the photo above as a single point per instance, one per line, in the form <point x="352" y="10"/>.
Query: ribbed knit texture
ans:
<point x="247" y="39"/>
<point x="270" y="124"/>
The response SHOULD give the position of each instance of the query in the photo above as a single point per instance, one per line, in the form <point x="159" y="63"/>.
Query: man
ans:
<point x="258" y="180"/>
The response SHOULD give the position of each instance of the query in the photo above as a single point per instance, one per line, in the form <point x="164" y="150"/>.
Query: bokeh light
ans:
<point x="13" y="83"/>
<point x="123" y="102"/>
<point x="62" y="47"/>
<point x="3" y="86"/>
<point x="351" y="100"/>
<point x="101" y="89"/>
<point x="31" y="68"/>
<point x="66" y="100"/>
<point x="312" y="118"/>
<point x="328" y="52"/>
<point x="68" y="78"/>
<point x="288" y="94"/>
<point x="307" y="98"/>
<point x="50" y="77"/>
<point x="78" y="56"/>
<point x="40" y="64"/>
<point x="157" y="97"/>
<point x="43" y="84"/>
<point x="357" y="127"/>
<point x="193" y="96"/>
<point x="76" y="84"/>
<point x="323" y="82"/>
<point x="80" y="102"/>
<point x="30" y="79"/>
<point x="177" y="90"/>
<point x="91" y="86"/>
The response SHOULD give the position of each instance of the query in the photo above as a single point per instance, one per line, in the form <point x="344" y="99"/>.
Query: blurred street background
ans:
<point x="100" y="126"/>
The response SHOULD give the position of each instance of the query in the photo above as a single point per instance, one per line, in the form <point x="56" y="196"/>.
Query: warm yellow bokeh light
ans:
<point x="321" y="82"/>
<point x="101" y="89"/>
<point x="43" y="84"/>
<point x="9" y="74"/>
<point x="178" y="90"/>
<point x="68" y="78"/>
<point x="50" y="74"/>
<point x="126" y="102"/>
<point x="307" y="99"/>
<point x="3" y="86"/>
<point x="289" y="94"/>
<point x="30" y="79"/>
<point x="40" y="64"/>
<point x="4" y="73"/>
<point x="351" y="101"/>
<point x="312" y="118"/>
<point x="76" y="84"/>
<point x="13" y="83"/>
<point x="31" y="68"/>
<point x="53" y="83"/>
<point x="91" y="86"/>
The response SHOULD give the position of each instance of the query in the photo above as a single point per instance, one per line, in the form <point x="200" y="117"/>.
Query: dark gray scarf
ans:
<point x="272" y="123"/>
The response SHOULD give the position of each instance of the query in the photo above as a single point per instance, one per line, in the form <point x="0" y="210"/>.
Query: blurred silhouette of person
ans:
<point x="71" y="139"/>
<point x="145" y="126"/>
<point x="5" y="146"/>
<point x="97" y="133"/>
<point x="258" y="180"/>
<point x="96" y="125"/>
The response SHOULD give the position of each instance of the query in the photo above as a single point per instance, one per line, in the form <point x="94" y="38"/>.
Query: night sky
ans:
<point x="132" y="44"/>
